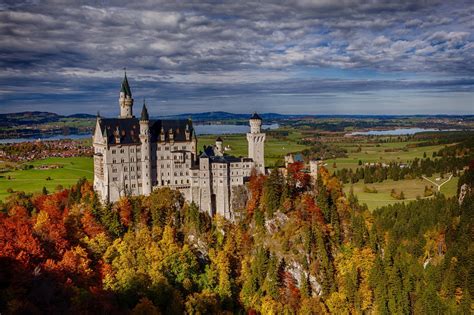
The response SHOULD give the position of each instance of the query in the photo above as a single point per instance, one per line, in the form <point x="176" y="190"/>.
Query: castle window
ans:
<point x="114" y="170"/>
<point x="159" y="148"/>
<point x="114" y="179"/>
<point x="114" y="161"/>
<point x="132" y="176"/>
<point x="139" y="184"/>
<point x="138" y="168"/>
<point x="132" y="168"/>
<point x="125" y="177"/>
<point x="175" y="182"/>
<point x="113" y="151"/>
<point x="175" y="148"/>
<point x="122" y="160"/>
<point x="175" y="174"/>
<point x="139" y="150"/>
<point x="138" y="176"/>
<point x="132" y="150"/>
<point x="133" y="185"/>
<point x="125" y="169"/>
<point x="183" y="147"/>
<point x="132" y="159"/>
<point x="167" y="148"/>
<point x="121" y="150"/>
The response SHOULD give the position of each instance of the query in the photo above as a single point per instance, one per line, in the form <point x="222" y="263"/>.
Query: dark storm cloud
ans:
<point x="57" y="52"/>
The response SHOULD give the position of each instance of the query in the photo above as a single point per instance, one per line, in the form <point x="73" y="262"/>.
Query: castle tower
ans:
<point x="256" y="143"/>
<point x="125" y="99"/>
<point x="219" y="147"/>
<point x="145" y="151"/>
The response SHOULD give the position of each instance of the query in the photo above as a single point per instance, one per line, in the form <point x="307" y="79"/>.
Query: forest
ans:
<point x="295" y="246"/>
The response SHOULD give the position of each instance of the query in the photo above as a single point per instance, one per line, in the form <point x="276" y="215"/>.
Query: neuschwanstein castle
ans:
<point x="133" y="156"/>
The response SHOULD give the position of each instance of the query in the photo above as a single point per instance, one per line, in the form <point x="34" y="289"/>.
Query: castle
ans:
<point x="134" y="156"/>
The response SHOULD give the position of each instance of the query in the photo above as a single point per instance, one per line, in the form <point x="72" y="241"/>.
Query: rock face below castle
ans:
<point x="135" y="156"/>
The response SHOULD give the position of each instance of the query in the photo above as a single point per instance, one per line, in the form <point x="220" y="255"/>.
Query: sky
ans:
<point x="293" y="57"/>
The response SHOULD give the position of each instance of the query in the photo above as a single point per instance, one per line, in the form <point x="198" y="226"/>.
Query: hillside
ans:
<point x="294" y="247"/>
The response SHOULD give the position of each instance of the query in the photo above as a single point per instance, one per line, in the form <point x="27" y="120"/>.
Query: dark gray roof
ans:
<point x="144" y="115"/>
<point x="129" y="130"/>
<point x="219" y="139"/>
<point x="209" y="153"/>
<point x="225" y="159"/>
<point x="255" y="116"/>
<point x="125" y="88"/>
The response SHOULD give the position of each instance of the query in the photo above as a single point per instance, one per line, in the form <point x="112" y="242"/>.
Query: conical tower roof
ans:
<point x="144" y="115"/>
<point x="125" y="86"/>
<point x="255" y="116"/>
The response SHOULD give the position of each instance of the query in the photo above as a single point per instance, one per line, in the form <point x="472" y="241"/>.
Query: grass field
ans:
<point x="412" y="188"/>
<point x="275" y="149"/>
<point x="371" y="153"/>
<point x="33" y="180"/>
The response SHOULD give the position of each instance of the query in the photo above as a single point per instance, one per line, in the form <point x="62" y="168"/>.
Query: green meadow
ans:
<point x="33" y="180"/>
<point x="412" y="189"/>
<point x="275" y="149"/>
<point x="383" y="152"/>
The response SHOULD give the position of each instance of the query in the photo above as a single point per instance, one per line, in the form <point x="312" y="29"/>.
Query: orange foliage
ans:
<point x="16" y="237"/>
<point x="105" y="270"/>
<point x="313" y="209"/>
<point x="290" y="292"/>
<point x="295" y="171"/>
<point x="125" y="211"/>
<point x="87" y="190"/>
<point x="256" y="189"/>
<point x="90" y="225"/>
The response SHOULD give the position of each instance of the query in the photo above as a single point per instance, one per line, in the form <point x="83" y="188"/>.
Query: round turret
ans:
<point x="125" y="99"/>
<point x="219" y="146"/>
<point x="255" y="123"/>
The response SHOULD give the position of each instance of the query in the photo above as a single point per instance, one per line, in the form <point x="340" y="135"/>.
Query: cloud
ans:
<point x="242" y="46"/>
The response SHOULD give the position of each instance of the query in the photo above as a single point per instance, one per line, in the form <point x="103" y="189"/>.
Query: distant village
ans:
<point x="35" y="150"/>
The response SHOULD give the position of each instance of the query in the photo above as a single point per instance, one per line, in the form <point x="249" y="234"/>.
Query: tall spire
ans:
<point x="144" y="115"/>
<point x="125" y="86"/>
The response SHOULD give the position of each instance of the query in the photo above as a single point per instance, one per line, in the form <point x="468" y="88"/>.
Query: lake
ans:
<point x="396" y="132"/>
<point x="200" y="130"/>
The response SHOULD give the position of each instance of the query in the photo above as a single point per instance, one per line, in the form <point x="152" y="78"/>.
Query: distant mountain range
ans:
<point x="27" y="118"/>
<point x="208" y="116"/>
<point x="36" y="117"/>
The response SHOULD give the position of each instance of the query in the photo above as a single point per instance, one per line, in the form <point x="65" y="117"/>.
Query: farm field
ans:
<point x="372" y="153"/>
<point x="412" y="188"/>
<point x="33" y="180"/>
